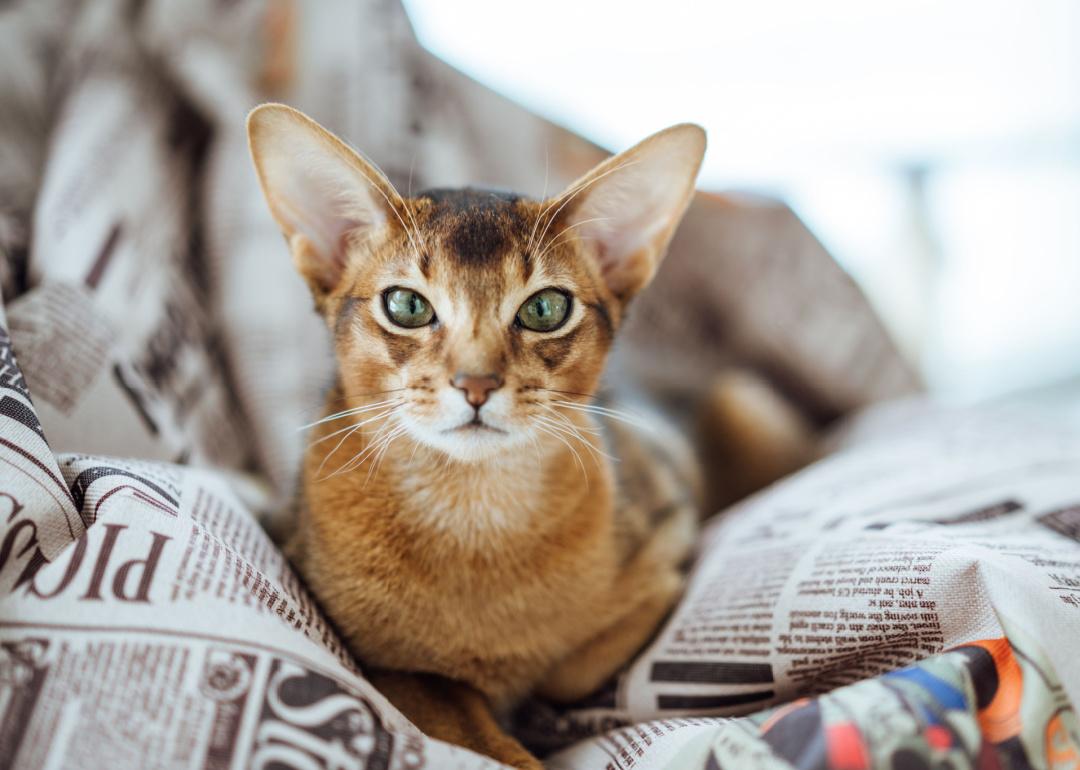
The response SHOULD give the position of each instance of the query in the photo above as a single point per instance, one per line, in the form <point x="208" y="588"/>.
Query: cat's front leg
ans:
<point x="648" y="588"/>
<point x="588" y="667"/>
<point x="452" y="711"/>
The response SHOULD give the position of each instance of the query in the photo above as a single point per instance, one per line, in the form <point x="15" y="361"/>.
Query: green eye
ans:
<point x="544" y="311"/>
<point x="408" y="308"/>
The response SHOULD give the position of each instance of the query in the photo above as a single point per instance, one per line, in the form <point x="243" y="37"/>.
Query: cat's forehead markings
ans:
<point x="476" y="227"/>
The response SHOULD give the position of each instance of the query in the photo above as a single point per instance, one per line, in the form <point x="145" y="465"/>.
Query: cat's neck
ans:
<point x="525" y="489"/>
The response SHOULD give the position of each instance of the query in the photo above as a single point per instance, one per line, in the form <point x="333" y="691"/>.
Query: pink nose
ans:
<point x="476" y="386"/>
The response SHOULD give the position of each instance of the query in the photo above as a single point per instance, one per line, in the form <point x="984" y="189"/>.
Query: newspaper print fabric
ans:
<point x="939" y="539"/>
<point x="157" y="354"/>
<point x="174" y="614"/>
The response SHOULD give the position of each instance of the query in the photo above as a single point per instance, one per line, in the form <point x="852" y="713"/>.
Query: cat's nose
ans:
<point x="476" y="386"/>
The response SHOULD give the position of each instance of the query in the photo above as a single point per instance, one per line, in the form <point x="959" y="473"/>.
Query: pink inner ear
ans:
<point x="329" y="216"/>
<point x="333" y="260"/>
<point x="619" y="242"/>
<point x="341" y="248"/>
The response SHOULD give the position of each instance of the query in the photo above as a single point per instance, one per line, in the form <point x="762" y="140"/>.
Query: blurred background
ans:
<point x="934" y="148"/>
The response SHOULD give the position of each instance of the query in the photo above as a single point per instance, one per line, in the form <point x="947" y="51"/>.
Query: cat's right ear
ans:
<point x="322" y="194"/>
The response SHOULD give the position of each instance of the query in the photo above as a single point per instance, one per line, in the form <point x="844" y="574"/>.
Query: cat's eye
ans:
<point x="407" y="308"/>
<point x="544" y="311"/>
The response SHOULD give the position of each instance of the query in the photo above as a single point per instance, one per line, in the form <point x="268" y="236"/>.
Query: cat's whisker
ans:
<point x="575" y="433"/>
<point x="558" y="437"/>
<point x="629" y="418"/>
<point x="351" y="430"/>
<point x="355" y="462"/>
<point x="571" y="430"/>
<point x="322" y="404"/>
<point x="564" y="419"/>
<point x="363" y="422"/>
<point x="359" y="458"/>
<point x="373" y="469"/>
<point x="376" y="459"/>
<point x="351" y="412"/>
<point x="343" y="468"/>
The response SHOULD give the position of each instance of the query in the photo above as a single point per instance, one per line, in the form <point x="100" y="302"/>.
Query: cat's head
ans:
<point x="470" y="313"/>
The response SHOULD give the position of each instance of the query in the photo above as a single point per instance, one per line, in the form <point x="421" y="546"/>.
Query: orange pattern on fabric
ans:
<point x="1000" y="720"/>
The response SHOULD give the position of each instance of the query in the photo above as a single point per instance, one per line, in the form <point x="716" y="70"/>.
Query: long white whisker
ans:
<point x="376" y="458"/>
<point x="573" y="433"/>
<point x="577" y="457"/>
<point x="350" y="412"/>
<point x="352" y="429"/>
<point x="376" y="438"/>
<point x="358" y="459"/>
<point x="377" y="462"/>
<point x="615" y="414"/>
<point x="566" y="420"/>
<point x="338" y="432"/>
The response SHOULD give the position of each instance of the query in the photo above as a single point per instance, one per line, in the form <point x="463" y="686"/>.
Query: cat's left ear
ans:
<point x="322" y="194"/>
<point x="627" y="208"/>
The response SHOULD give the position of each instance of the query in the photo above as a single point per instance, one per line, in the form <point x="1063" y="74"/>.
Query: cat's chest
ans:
<point x="474" y="510"/>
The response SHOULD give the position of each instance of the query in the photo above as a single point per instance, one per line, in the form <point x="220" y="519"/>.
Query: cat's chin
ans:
<point x="470" y="443"/>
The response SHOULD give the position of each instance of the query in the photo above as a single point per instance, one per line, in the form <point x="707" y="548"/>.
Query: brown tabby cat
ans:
<point x="463" y="524"/>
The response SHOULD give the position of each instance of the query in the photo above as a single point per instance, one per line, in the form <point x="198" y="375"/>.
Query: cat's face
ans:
<point x="467" y="315"/>
<point x="470" y="327"/>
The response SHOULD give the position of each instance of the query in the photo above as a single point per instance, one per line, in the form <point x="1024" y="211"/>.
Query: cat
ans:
<point x="462" y="523"/>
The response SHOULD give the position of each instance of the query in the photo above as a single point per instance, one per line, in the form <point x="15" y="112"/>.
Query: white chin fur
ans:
<point x="467" y="445"/>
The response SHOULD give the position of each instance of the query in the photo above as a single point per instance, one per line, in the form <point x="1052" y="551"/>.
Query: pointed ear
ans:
<point x="627" y="208"/>
<point x="321" y="192"/>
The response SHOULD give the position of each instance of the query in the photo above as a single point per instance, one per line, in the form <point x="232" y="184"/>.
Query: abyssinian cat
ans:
<point x="462" y="521"/>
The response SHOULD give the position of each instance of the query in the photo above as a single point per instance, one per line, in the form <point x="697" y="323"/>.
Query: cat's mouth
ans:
<point x="474" y="425"/>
